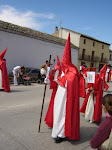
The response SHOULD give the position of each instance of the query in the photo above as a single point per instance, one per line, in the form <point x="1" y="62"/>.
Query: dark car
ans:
<point x="33" y="73"/>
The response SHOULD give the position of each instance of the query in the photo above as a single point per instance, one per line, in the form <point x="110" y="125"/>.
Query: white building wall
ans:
<point x="110" y="62"/>
<point x="74" y="37"/>
<point x="30" y="52"/>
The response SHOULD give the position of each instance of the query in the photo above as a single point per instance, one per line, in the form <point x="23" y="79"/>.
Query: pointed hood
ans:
<point x="103" y="70"/>
<point x="3" y="53"/>
<point x="58" y="61"/>
<point x="58" y="67"/>
<point x="84" y="70"/>
<point x="102" y="75"/>
<point x="66" y="59"/>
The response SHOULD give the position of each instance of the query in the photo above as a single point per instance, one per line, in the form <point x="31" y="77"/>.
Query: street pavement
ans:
<point x="19" y="120"/>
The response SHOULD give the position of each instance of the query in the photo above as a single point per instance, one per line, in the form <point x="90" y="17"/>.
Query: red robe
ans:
<point x="5" y="80"/>
<point x="82" y="85"/>
<point x="98" y="88"/>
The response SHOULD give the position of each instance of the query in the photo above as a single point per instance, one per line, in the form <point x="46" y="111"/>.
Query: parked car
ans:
<point x="33" y="73"/>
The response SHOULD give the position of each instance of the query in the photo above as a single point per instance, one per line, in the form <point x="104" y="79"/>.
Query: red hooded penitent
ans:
<point x="5" y="80"/>
<point x="72" y="119"/>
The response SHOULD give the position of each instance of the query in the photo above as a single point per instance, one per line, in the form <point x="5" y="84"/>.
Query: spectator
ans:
<point x="105" y="127"/>
<point x="43" y="70"/>
<point x="17" y="70"/>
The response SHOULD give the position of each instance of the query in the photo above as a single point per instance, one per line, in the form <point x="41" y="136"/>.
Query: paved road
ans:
<point x="19" y="119"/>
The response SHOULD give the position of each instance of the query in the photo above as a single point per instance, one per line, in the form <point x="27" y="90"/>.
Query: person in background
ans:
<point x="82" y="81"/>
<point x="17" y="70"/>
<point x="92" y="106"/>
<point x="105" y="127"/>
<point x="103" y="71"/>
<point x="43" y="69"/>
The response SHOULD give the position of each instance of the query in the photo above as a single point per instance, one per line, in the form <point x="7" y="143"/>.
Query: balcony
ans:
<point x="92" y="59"/>
<point x="104" y="60"/>
<point x="95" y="59"/>
<point x="86" y="57"/>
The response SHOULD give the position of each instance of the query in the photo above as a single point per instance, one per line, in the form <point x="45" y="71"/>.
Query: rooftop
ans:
<point x="15" y="29"/>
<point x="86" y="36"/>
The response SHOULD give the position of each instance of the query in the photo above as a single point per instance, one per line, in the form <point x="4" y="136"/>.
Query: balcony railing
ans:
<point x="104" y="60"/>
<point x="95" y="59"/>
<point x="86" y="57"/>
<point x="92" y="59"/>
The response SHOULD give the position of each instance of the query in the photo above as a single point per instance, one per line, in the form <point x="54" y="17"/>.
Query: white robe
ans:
<point x="106" y="76"/>
<point x="1" y="79"/>
<point x="59" y="112"/>
<point x="89" y="108"/>
<point x="15" y="71"/>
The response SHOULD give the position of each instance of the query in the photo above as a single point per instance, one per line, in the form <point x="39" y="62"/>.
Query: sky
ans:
<point x="89" y="17"/>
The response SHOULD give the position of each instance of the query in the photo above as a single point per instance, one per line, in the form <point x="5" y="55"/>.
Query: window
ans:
<point x="92" y="56"/>
<point x="84" y="41"/>
<point x="110" y="57"/>
<point x="102" y="56"/>
<point x="102" y="46"/>
<point x="83" y="53"/>
<point x="93" y="43"/>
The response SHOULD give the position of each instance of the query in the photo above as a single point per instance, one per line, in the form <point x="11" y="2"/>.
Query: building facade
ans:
<point x="92" y="52"/>
<point x="110" y="58"/>
<point x="30" y="48"/>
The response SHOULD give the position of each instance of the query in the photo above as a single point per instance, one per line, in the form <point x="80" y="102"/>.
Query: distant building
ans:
<point x="92" y="52"/>
<point x="31" y="48"/>
<point x="110" y="58"/>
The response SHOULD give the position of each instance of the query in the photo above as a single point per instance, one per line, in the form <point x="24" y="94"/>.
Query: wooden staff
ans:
<point x="54" y="62"/>
<point x="43" y="101"/>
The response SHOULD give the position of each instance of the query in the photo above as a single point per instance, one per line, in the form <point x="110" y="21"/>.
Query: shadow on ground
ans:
<point x="86" y="133"/>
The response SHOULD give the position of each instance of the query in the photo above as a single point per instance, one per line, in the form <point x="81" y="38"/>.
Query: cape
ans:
<point x="98" y="88"/>
<point x="49" y="115"/>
